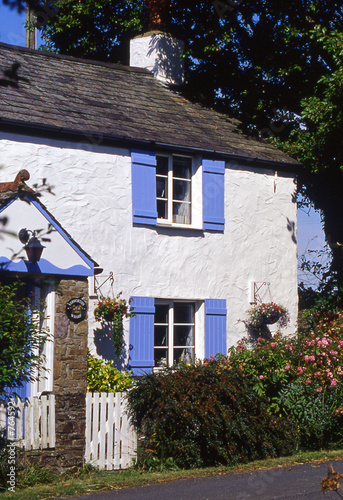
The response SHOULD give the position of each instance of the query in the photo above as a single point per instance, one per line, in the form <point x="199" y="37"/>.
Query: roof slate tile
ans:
<point x="121" y="102"/>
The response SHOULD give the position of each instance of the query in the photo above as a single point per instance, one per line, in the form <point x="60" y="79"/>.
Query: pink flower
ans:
<point x="205" y="364"/>
<point x="272" y="344"/>
<point x="287" y="367"/>
<point x="308" y="381"/>
<point x="320" y="389"/>
<point x="300" y="370"/>
<point x="333" y="382"/>
<point x="261" y="377"/>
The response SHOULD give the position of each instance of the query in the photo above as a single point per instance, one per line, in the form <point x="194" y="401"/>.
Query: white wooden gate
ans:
<point x="34" y="421"/>
<point x="111" y="442"/>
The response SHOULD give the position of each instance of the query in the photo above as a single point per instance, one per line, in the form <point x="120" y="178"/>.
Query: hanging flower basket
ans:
<point x="113" y="311"/>
<point x="267" y="314"/>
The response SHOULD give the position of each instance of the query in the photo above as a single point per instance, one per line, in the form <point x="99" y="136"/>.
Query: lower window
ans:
<point x="174" y="332"/>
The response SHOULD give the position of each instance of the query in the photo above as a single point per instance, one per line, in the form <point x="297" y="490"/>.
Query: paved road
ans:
<point x="289" y="483"/>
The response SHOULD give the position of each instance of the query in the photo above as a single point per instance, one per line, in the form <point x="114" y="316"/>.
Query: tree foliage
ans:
<point x="20" y="339"/>
<point x="318" y="144"/>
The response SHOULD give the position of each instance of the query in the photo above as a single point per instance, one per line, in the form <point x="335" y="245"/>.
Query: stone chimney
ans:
<point x="159" y="53"/>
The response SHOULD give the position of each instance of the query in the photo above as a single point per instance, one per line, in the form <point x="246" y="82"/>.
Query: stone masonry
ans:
<point x="70" y="376"/>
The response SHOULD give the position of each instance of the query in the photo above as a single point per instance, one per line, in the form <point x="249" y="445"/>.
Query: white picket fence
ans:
<point x="34" y="424"/>
<point x="111" y="442"/>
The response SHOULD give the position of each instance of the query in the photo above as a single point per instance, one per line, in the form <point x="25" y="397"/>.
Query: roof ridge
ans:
<point x="93" y="62"/>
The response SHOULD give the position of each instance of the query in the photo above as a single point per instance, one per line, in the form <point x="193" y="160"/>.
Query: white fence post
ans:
<point x="111" y="442"/>
<point x="34" y="421"/>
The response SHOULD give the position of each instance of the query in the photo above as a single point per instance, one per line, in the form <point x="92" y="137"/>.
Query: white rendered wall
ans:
<point x="93" y="203"/>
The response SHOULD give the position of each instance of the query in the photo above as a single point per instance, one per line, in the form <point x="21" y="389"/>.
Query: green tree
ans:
<point x="20" y="338"/>
<point x="318" y="144"/>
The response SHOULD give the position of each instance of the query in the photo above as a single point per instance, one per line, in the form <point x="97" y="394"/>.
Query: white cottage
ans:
<point x="195" y="220"/>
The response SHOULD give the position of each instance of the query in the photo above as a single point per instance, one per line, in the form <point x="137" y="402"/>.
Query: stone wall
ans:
<point x="70" y="376"/>
<point x="70" y="384"/>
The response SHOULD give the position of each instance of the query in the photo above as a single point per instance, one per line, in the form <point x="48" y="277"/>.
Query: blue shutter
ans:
<point x="213" y="195"/>
<point x="23" y="392"/>
<point x="215" y="327"/>
<point x="142" y="335"/>
<point x="143" y="166"/>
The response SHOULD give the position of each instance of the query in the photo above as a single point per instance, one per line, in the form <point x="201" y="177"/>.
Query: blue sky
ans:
<point x="310" y="234"/>
<point x="12" y="29"/>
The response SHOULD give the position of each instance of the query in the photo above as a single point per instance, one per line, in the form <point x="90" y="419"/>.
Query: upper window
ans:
<point x="173" y="189"/>
<point x="174" y="333"/>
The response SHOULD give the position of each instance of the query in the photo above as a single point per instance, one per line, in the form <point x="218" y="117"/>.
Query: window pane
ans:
<point x="186" y="355"/>
<point x="161" y="187"/>
<point x="162" y="209"/>
<point x="162" y="165"/>
<point x="161" y="313"/>
<point x="181" y="190"/>
<point x="182" y="213"/>
<point x="183" y="312"/>
<point x="182" y="167"/>
<point x="183" y="335"/>
<point x="160" y="357"/>
<point x="161" y="335"/>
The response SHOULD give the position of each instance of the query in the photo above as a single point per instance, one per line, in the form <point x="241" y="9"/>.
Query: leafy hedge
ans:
<point x="202" y="415"/>
<point x="103" y="376"/>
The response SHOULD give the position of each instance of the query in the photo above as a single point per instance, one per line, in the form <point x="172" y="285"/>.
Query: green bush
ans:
<point x="206" y="414"/>
<point x="315" y="413"/>
<point x="102" y="376"/>
<point x="20" y="338"/>
<point x="3" y="460"/>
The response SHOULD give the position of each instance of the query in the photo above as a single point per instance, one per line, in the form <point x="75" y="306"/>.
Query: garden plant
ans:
<point x="274" y="397"/>
<point x="113" y="311"/>
<point x="103" y="376"/>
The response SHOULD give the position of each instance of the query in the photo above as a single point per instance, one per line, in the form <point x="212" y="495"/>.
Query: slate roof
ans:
<point x="65" y="94"/>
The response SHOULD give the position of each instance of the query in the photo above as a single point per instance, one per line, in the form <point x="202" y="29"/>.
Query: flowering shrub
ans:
<point x="102" y="376"/>
<point x="322" y="352"/>
<point x="291" y="369"/>
<point x="113" y="311"/>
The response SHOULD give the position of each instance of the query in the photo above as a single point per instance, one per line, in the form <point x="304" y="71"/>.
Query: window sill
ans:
<point x="175" y="225"/>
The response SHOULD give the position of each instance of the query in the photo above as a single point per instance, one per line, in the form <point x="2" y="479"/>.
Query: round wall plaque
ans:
<point x="76" y="309"/>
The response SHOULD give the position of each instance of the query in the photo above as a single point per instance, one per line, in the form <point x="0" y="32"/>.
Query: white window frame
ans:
<point x="171" y="324"/>
<point x="195" y="193"/>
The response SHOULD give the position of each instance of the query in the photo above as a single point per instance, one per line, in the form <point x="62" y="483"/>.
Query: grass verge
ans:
<point x="86" y="482"/>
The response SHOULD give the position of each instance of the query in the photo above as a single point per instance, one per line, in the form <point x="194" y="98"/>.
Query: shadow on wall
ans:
<point x="105" y="349"/>
<point x="291" y="229"/>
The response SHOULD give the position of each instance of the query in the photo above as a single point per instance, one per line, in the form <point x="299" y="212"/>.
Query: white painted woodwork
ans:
<point x="111" y="442"/>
